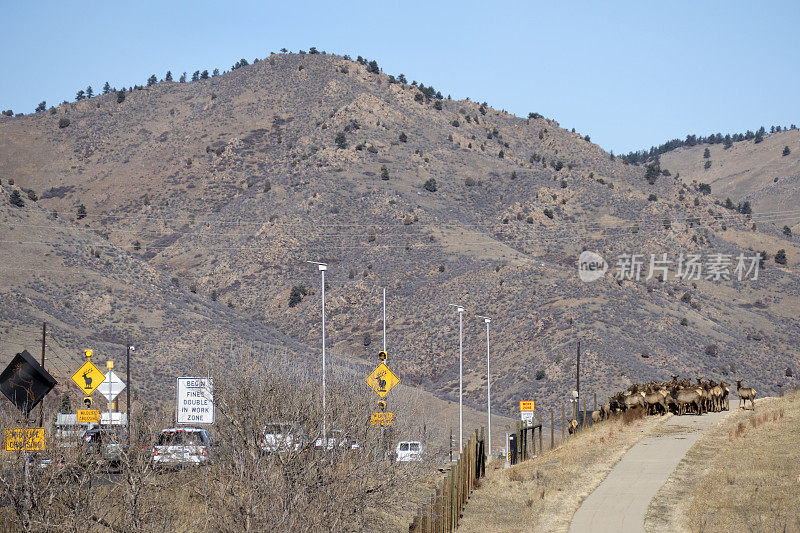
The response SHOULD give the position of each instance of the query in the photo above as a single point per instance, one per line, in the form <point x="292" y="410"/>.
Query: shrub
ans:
<point x="786" y="151"/>
<point x="340" y="140"/>
<point x="780" y="257"/>
<point x="403" y="137"/>
<point x="706" y="153"/>
<point x="430" y="185"/>
<point x="455" y="123"/>
<point x="711" y="349"/>
<point x="652" y="198"/>
<point x="120" y="96"/>
<point x="787" y="230"/>
<point x="367" y="339"/>
<point x="501" y="155"/>
<point x="548" y="213"/>
<point x="437" y="105"/>
<point x="384" y="173"/>
<point x="16" y="199"/>
<point x="529" y="220"/>
<point x="63" y="122"/>
<point x="81" y="213"/>
<point x="469" y="181"/>
<point x="704" y="188"/>
<point x="441" y="268"/>
<point x="707" y="165"/>
<point x="563" y="184"/>
<point x="788" y="372"/>
<point x="214" y="295"/>
<point x="32" y="195"/>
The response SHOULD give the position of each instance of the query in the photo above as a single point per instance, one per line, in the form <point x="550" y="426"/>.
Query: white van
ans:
<point x="409" y="450"/>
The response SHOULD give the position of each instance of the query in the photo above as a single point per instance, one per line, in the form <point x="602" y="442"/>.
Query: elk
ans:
<point x="725" y="391"/>
<point x="573" y="426"/>
<point x="745" y="393"/>
<point x="687" y="398"/>
<point x="654" y="401"/>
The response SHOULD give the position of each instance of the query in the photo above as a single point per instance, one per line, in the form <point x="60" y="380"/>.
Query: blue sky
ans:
<point x="630" y="74"/>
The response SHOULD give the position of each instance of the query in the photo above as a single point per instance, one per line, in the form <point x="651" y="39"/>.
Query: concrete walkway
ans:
<point x="620" y="502"/>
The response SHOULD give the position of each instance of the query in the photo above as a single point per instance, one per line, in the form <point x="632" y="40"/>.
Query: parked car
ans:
<point x="337" y="439"/>
<point x="182" y="446"/>
<point x="408" y="450"/>
<point x="283" y="437"/>
<point x="104" y="444"/>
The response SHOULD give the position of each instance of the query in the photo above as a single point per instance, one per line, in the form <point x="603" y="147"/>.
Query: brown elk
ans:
<point x="687" y="398"/>
<point x="655" y="402"/>
<point x="745" y="393"/>
<point x="725" y="391"/>
<point x="573" y="426"/>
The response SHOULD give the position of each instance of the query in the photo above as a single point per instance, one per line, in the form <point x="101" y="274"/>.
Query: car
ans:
<point x="337" y="439"/>
<point x="408" y="450"/>
<point x="283" y="437"/>
<point x="104" y="444"/>
<point x="182" y="446"/>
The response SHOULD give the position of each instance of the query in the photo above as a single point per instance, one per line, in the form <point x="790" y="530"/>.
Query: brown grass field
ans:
<point x="544" y="493"/>
<point x="742" y="475"/>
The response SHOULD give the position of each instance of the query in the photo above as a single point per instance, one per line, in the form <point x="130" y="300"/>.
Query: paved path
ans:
<point x="620" y="502"/>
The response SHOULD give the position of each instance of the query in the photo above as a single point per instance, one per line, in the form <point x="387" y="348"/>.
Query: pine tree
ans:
<point x="106" y="88"/>
<point x="196" y="75"/>
<point x="706" y="153"/>
<point x="80" y="95"/>
<point x="215" y="73"/>
<point x="81" y="212"/>
<point x="43" y="105"/>
<point x="204" y="75"/>
<point x="780" y="257"/>
<point x="120" y="96"/>
<point x="168" y="77"/>
<point x="16" y="199"/>
<point x="89" y="92"/>
<point x="183" y="78"/>
<point x="152" y="80"/>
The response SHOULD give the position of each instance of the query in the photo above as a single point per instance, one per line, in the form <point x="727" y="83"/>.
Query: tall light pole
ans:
<point x="131" y="348"/>
<point x="322" y="268"/>
<point x="486" y="319"/>
<point x="460" y="379"/>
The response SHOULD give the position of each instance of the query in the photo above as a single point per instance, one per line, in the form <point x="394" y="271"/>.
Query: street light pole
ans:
<point x="322" y="268"/>
<point x="460" y="379"/>
<point x="486" y="319"/>
<point x="128" y="392"/>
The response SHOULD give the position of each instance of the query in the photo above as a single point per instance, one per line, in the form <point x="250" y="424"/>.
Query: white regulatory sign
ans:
<point x="527" y="416"/>
<point x="195" y="401"/>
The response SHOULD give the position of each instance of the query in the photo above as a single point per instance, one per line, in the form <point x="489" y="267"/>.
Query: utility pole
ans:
<point x="578" y="372"/>
<point x="322" y="268"/>
<point x="128" y="391"/>
<point x="41" y="404"/>
<point x="460" y="379"/>
<point x="384" y="319"/>
<point x="486" y="319"/>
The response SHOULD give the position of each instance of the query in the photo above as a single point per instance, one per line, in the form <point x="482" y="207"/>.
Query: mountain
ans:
<point x="760" y="173"/>
<point x="223" y="188"/>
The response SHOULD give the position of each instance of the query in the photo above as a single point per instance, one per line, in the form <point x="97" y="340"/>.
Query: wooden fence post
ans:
<point x="584" y="413"/>
<point x="563" y="421"/>
<point x="595" y="401"/>
<point x="552" y="427"/>
<point x="541" y="446"/>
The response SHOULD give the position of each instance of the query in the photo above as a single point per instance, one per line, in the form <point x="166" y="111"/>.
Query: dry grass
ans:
<point x="741" y="475"/>
<point x="544" y="493"/>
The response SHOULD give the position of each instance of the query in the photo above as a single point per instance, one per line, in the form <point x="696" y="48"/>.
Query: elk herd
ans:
<point x="679" y="396"/>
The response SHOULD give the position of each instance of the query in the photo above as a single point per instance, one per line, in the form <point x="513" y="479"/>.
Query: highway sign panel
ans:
<point x="111" y="386"/>
<point x="527" y="416"/>
<point x="86" y="416"/>
<point x="382" y="380"/>
<point x="88" y="377"/>
<point x="25" y="439"/>
<point x="195" y="401"/>
<point x="527" y="406"/>
<point x="382" y="419"/>
<point x="24" y="382"/>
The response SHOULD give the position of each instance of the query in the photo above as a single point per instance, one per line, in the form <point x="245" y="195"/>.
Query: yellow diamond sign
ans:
<point x="382" y="380"/>
<point x="88" y="377"/>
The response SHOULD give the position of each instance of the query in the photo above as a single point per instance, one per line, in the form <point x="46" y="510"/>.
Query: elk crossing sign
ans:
<point x="88" y="378"/>
<point x="382" y="380"/>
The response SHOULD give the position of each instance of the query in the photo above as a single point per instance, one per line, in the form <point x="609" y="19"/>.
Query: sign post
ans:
<point x="195" y="401"/>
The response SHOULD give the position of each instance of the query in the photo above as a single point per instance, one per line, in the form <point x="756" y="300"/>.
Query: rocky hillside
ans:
<point x="223" y="189"/>
<point x="765" y="174"/>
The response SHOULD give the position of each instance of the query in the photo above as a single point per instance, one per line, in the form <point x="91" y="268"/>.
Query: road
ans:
<point x="620" y="502"/>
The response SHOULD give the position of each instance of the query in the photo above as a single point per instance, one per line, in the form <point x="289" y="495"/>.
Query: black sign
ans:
<point x="25" y="382"/>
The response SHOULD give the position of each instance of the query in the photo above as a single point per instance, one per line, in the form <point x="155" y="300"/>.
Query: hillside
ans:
<point x="748" y="171"/>
<point x="230" y="184"/>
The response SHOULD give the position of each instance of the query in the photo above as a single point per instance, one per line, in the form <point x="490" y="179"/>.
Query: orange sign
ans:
<point x="382" y="419"/>
<point x="527" y="406"/>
